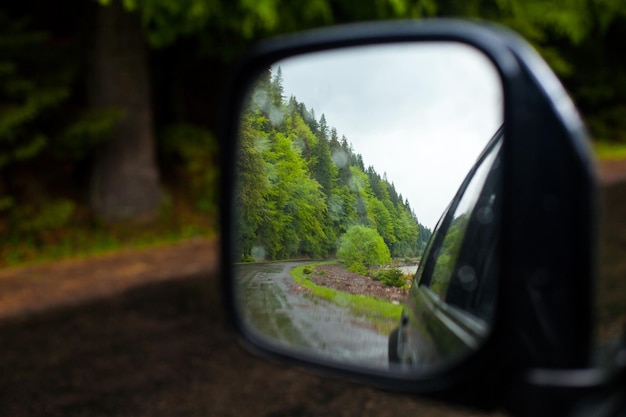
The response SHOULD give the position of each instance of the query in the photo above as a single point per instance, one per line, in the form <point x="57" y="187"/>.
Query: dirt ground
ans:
<point x="144" y="333"/>
<point x="611" y="260"/>
<point x="335" y="276"/>
<point x="155" y="341"/>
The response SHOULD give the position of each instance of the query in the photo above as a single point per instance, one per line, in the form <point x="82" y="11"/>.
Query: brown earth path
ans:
<point x="612" y="171"/>
<point x="144" y="333"/>
<point x="40" y="287"/>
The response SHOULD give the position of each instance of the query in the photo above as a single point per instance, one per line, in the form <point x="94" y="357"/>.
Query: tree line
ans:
<point x="301" y="187"/>
<point x="107" y="107"/>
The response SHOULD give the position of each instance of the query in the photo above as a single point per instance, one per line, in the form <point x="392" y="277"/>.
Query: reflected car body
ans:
<point x="451" y="303"/>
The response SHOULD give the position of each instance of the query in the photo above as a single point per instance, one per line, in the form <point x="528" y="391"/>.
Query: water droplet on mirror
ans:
<point x="340" y="158"/>
<point x="356" y="184"/>
<point x="484" y="215"/>
<point x="260" y="144"/>
<point x="467" y="277"/>
<point x="258" y="253"/>
<point x="276" y="116"/>
<point x="335" y="206"/>
<point x="260" y="98"/>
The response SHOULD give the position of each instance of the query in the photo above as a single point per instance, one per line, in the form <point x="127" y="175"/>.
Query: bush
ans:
<point x="391" y="277"/>
<point x="307" y="270"/>
<point x="361" y="248"/>
<point x="35" y="220"/>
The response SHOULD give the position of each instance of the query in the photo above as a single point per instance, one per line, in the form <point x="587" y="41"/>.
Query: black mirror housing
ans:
<point x="545" y="293"/>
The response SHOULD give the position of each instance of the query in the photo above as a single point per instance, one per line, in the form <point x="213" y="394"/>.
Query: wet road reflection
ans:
<point x="276" y="308"/>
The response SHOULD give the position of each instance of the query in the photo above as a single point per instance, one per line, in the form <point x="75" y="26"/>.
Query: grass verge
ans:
<point x="84" y="240"/>
<point x="609" y="150"/>
<point x="383" y="314"/>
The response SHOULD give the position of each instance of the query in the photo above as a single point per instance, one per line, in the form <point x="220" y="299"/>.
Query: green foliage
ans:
<point x="554" y="28"/>
<point x="605" y="150"/>
<point x="165" y="21"/>
<point x="299" y="187"/>
<point x="449" y="253"/>
<point x="37" y="223"/>
<point x="31" y="89"/>
<point x="582" y="40"/>
<point x="37" y="77"/>
<point x="392" y="277"/>
<point x="247" y="258"/>
<point x="197" y="149"/>
<point x="54" y="215"/>
<point x="362" y="247"/>
<point x="89" y="128"/>
<point x="281" y="207"/>
<point x="59" y="231"/>
<point x="30" y="226"/>
<point x="43" y="94"/>
<point x="423" y="236"/>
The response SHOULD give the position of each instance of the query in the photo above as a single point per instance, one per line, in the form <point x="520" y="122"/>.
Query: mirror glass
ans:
<point x="347" y="161"/>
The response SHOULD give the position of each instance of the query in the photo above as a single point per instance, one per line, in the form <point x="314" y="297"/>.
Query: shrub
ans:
<point x="391" y="277"/>
<point x="36" y="219"/>
<point x="361" y="248"/>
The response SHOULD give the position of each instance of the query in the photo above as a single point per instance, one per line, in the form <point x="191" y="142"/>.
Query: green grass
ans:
<point x="81" y="244"/>
<point x="610" y="150"/>
<point x="83" y="240"/>
<point x="383" y="314"/>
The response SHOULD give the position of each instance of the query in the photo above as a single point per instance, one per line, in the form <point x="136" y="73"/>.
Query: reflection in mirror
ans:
<point x="346" y="160"/>
<point x="452" y="302"/>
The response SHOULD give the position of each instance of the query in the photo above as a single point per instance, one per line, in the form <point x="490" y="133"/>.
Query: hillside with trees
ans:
<point x="302" y="187"/>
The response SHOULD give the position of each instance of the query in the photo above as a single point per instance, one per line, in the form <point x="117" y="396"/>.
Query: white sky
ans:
<point x="422" y="113"/>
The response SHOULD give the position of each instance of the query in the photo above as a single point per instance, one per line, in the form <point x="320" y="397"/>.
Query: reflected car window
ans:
<point x="452" y="302"/>
<point x="464" y="276"/>
<point x="426" y="255"/>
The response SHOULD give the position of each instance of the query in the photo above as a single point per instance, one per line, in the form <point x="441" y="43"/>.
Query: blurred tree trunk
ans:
<point x="125" y="181"/>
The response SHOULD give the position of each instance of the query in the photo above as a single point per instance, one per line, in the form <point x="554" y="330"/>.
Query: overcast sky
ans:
<point x="422" y="113"/>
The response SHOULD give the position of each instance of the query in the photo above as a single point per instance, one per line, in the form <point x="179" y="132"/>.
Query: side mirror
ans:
<point x="442" y="120"/>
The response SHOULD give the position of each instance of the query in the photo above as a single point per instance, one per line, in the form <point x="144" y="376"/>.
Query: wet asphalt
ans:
<point x="276" y="310"/>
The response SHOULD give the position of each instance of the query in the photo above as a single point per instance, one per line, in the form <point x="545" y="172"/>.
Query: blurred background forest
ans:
<point x="109" y="109"/>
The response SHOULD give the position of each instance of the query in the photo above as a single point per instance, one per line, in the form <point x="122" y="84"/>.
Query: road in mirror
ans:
<point x="346" y="161"/>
